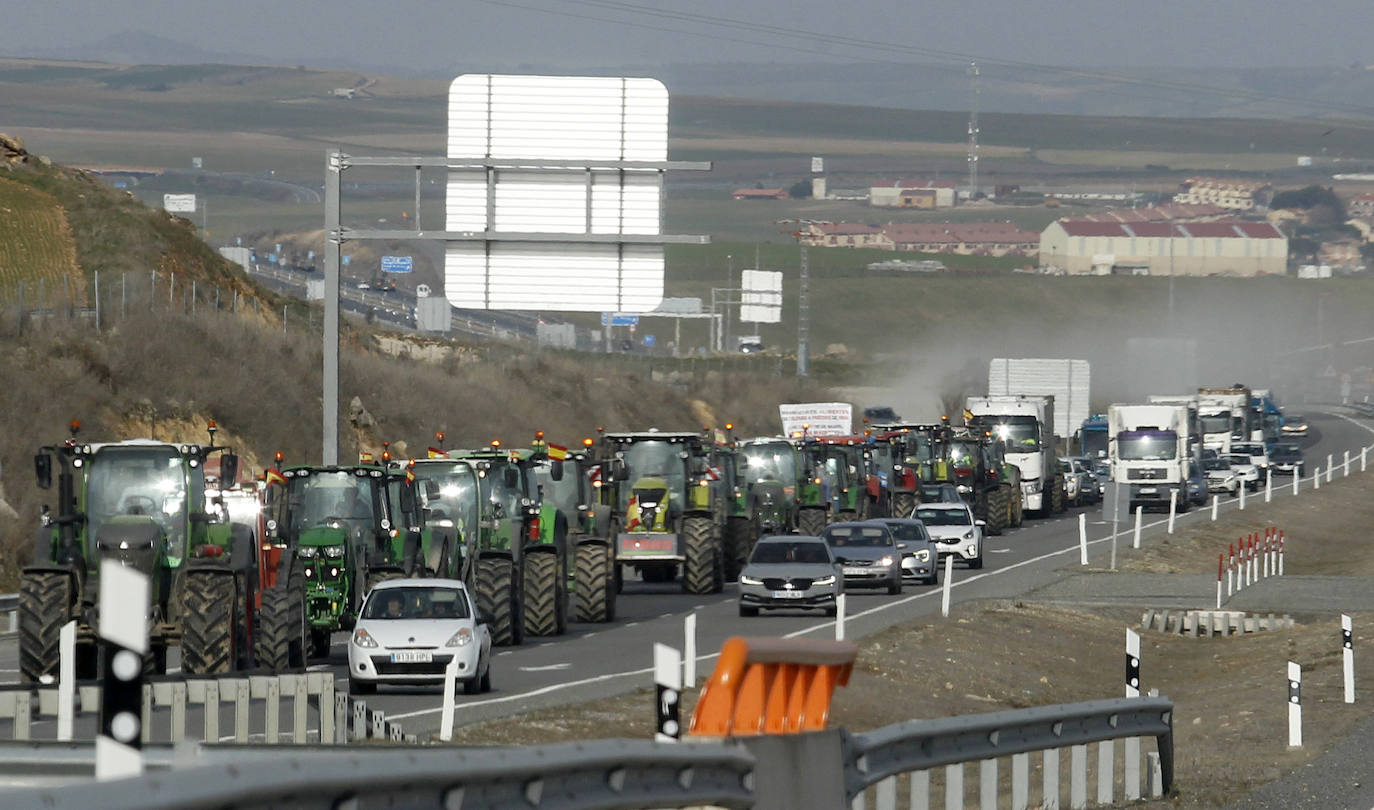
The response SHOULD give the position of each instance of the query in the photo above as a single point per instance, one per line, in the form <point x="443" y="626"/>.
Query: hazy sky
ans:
<point x="434" y="35"/>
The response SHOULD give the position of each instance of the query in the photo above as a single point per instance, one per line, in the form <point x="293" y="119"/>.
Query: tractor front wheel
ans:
<point x="740" y="536"/>
<point x="209" y="623"/>
<point x="811" y="522"/>
<point x="495" y="597"/>
<point x="281" y="642"/>
<point x="44" y="603"/>
<point x="903" y="503"/>
<point x="541" y="593"/>
<point x="701" y="572"/>
<point x="594" y="589"/>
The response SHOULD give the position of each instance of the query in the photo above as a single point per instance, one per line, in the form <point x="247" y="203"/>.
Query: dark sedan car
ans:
<point x="920" y="553"/>
<point x="789" y="571"/>
<point x="867" y="554"/>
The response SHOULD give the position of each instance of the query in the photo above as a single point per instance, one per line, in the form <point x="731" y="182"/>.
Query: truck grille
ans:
<point x="1146" y="474"/>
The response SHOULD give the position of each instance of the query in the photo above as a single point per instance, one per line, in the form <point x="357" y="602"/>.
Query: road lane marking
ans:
<point x="546" y="668"/>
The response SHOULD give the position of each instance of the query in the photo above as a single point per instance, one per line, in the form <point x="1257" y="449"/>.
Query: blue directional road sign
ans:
<point x="618" y="319"/>
<point x="649" y="341"/>
<point x="347" y="260"/>
<point x="397" y="264"/>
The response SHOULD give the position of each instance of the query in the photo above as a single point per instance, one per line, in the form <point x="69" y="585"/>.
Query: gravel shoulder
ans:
<point x="1065" y="643"/>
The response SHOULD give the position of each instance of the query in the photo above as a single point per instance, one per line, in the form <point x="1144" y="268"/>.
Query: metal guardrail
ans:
<point x="919" y="745"/>
<point x="569" y="776"/>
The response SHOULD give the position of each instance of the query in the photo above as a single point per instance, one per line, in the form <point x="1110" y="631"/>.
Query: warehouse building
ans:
<point x="1222" y="248"/>
<point x="924" y="194"/>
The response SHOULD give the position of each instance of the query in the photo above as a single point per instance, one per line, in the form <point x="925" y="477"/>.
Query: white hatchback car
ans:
<point x="954" y="529"/>
<point x="409" y="630"/>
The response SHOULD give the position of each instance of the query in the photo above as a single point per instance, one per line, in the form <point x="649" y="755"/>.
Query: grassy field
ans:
<point x="35" y="239"/>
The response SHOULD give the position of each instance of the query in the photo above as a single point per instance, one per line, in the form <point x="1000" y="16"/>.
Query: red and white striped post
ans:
<point x="1230" y="571"/>
<point x="1264" y="552"/>
<point x="1280" y="552"/>
<point x="1253" y="572"/>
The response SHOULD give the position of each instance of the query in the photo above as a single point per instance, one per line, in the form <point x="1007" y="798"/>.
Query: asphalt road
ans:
<point x="594" y="661"/>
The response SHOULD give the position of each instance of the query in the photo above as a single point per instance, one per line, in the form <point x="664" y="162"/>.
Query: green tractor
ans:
<point x="829" y="490"/>
<point x="347" y="529"/>
<point x="143" y="503"/>
<point x="566" y="483"/>
<point x="509" y="546"/>
<point x="667" y="506"/>
<point x="919" y="455"/>
<point x="764" y="481"/>
<point x="985" y="479"/>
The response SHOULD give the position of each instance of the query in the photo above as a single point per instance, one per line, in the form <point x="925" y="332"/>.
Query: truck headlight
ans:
<point x="462" y="638"/>
<point x="362" y="638"/>
<point x="308" y="552"/>
<point x="333" y="552"/>
<point x="743" y="580"/>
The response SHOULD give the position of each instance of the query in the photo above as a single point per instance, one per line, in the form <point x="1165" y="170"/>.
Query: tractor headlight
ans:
<point x="744" y="580"/>
<point x="462" y="638"/>
<point x="308" y="552"/>
<point x="333" y="572"/>
<point x="362" y="638"/>
<point x="333" y="552"/>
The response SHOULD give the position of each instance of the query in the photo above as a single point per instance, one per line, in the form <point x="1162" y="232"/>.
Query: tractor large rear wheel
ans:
<point x="495" y="597"/>
<point x="209" y="623"/>
<point x="1018" y="507"/>
<point x="1057" y="495"/>
<point x="593" y="588"/>
<point x="281" y="642"/>
<point x="903" y="503"/>
<point x="541" y="593"/>
<point x="811" y="522"/>
<point x="740" y="536"/>
<point x="999" y="509"/>
<point x="44" y="602"/>
<point x="701" y="572"/>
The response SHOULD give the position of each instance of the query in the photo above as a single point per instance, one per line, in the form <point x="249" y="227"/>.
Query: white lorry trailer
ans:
<point x="1149" y="452"/>
<point x="1025" y="424"/>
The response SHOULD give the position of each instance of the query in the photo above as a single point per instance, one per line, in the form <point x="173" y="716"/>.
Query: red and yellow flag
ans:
<point x="968" y="416"/>
<point x="274" y="477"/>
<point x="365" y="458"/>
<point x="435" y="452"/>
<point x="557" y="452"/>
<point x="410" y="474"/>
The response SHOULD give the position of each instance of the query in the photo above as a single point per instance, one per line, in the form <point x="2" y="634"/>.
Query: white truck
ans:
<point x="1149" y="452"/>
<point x="1235" y="402"/>
<point x="1025" y="424"/>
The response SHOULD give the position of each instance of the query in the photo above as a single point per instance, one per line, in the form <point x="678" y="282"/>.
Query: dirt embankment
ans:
<point x="1229" y="693"/>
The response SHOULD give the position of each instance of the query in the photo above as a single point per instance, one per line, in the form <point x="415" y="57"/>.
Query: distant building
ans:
<point x="1225" y="247"/>
<point x="968" y="238"/>
<point x="761" y="194"/>
<point x="1361" y="206"/>
<point x="841" y="234"/>
<point x="1233" y="195"/>
<point x="1176" y="212"/>
<point x="925" y="194"/>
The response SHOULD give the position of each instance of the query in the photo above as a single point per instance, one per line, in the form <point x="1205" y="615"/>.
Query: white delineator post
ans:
<point x="1082" y="538"/>
<point x="1173" y="508"/>
<point x="1297" y="477"/>
<point x="1364" y="451"/>
<point x="949" y="582"/>
<point x="1240" y="493"/>
<point x="839" y="617"/>
<point x="446" y="712"/>
<point x="1264" y="556"/>
<point x="1317" y="478"/>
<point x="1221" y="570"/>
<point x="1132" y="663"/>
<point x="1330" y="466"/>
<point x="1215" y="499"/>
<point x="1268" y="485"/>
<point x="1347" y="464"/>
<point x="66" y="681"/>
<point x="124" y="636"/>
<point x="1348" y="654"/>
<point x="1131" y="745"/>
<point x="1294" y="705"/>
<point x="1135" y="540"/>
<point x="689" y="651"/>
<point x="668" y="690"/>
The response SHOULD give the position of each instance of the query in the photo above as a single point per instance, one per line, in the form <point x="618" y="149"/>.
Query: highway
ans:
<point x="594" y="661"/>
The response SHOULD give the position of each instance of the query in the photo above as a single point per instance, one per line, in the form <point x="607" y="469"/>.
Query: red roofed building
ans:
<point x="1220" y="248"/>
<point x="969" y="238"/>
<point x="913" y="194"/>
<point x="761" y="194"/>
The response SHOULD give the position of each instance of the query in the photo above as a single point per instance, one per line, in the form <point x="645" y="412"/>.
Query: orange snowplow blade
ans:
<point x="772" y="686"/>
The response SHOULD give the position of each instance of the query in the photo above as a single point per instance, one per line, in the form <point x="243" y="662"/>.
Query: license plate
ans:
<point x="788" y="594"/>
<point x="1148" y="490"/>
<point x="412" y="657"/>
<point x="855" y="572"/>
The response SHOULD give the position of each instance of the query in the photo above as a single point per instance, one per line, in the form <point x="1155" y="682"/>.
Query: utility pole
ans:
<point x="973" y="131"/>
<point x="804" y="318"/>
<point x="329" y="455"/>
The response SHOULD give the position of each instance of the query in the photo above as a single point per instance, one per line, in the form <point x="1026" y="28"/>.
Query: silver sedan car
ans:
<point x="790" y="571"/>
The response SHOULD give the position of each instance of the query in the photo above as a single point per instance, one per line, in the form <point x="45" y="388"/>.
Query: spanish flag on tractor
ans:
<point x="435" y="452"/>
<point x="968" y="416"/>
<point x="557" y="452"/>
<point x="274" y="477"/>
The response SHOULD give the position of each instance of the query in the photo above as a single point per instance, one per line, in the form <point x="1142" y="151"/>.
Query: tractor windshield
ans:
<point x="774" y="461"/>
<point x="146" y="481"/>
<point x="506" y="482"/>
<point x="565" y="494"/>
<point x="326" y="498"/>
<point x="654" y="459"/>
<point x="448" y="493"/>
